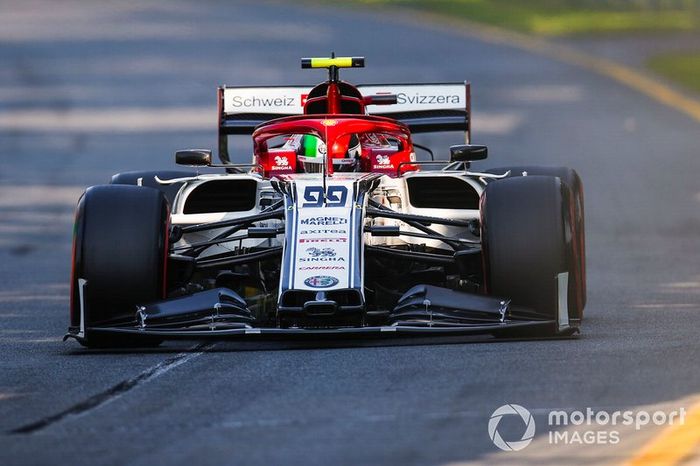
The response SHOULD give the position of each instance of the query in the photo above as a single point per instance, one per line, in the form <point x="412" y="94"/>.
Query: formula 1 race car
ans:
<point x="335" y="228"/>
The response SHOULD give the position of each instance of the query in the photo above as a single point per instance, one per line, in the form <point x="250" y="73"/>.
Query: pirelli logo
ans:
<point x="323" y="240"/>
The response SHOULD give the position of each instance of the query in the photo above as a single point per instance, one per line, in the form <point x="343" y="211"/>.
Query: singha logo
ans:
<point x="325" y="252"/>
<point x="281" y="161"/>
<point x="383" y="160"/>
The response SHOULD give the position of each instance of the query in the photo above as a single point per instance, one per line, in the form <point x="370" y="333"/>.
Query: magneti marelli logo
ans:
<point x="511" y="410"/>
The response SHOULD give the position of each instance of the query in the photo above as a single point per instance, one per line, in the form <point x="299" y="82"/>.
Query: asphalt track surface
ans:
<point x="84" y="89"/>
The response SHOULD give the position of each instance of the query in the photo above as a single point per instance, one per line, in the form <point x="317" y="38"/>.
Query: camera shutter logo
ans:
<point x="508" y="410"/>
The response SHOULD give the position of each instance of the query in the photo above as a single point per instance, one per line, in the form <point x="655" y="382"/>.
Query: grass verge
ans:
<point x="563" y="17"/>
<point x="683" y="68"/>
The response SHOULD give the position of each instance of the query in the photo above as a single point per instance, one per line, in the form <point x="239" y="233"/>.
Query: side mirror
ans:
<point x="198" y="157"/>
<point x="468" y="152"/>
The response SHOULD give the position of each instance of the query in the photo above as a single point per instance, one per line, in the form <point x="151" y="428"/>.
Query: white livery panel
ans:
<point x="322" y="249"/>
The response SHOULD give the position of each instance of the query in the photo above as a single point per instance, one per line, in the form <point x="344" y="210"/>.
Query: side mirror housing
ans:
<point x="196" y="157"/>
<point x="468" y="152"/>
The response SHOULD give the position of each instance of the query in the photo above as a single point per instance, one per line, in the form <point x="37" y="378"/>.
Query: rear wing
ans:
<point x="423" y="108"/>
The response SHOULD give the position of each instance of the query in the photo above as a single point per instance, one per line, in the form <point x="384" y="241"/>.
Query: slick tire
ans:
<point x="119" y="259"/>
<point x="526" y="239"/>
<point x="577" y="284"/>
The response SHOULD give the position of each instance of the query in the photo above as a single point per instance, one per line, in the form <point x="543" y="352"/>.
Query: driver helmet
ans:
<point x="313" y="151"/>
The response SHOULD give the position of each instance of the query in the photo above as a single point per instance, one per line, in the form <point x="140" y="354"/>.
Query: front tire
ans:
<point x="119" y="259"/>
<point x="577" y="286"/>
<point x="527" y="241"/>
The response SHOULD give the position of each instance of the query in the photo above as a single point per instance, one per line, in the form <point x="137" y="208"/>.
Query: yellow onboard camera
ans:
<point x="338" y="62"/>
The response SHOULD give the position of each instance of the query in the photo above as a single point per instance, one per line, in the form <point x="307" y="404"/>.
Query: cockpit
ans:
<point x="305" y="153"/>
<point x="345" y="142"/>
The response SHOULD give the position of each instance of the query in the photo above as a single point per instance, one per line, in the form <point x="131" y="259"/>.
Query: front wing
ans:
<point x="423" y="311"/>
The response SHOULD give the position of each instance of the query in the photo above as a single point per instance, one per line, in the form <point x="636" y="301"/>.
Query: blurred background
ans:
<point x="658" y="36"/>
<point x="610" y="88"/>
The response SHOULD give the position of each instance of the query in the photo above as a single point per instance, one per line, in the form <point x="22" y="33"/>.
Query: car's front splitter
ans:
<point x="506" y="329"/>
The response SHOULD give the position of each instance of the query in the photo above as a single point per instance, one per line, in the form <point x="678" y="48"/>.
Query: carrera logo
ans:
<point x="321" y="281"/>
<point x="239" y="101"/>
<point x="323" y="267"/>
<point x="426" y="99"/>
<point x="324" y="221"/>
<point x="324" y="240"/>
